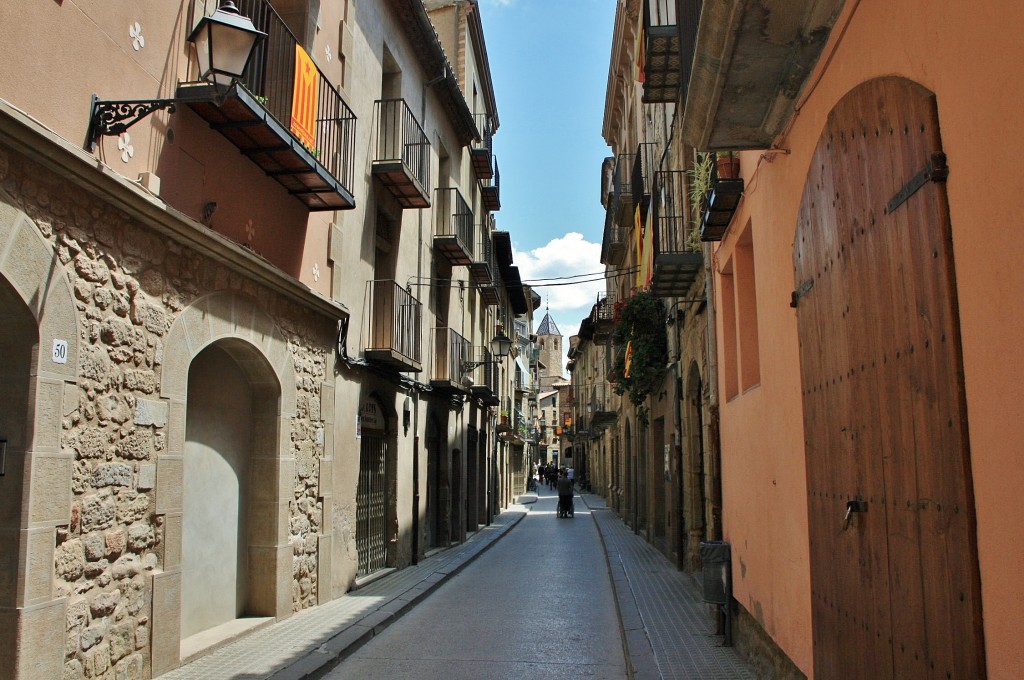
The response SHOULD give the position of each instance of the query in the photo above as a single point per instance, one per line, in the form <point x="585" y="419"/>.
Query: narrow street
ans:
<point x="538" y="604"/>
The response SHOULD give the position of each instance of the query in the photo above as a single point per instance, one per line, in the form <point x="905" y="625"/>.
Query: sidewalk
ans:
<point x="312" y="641"/>
<point x="668" y="630"/>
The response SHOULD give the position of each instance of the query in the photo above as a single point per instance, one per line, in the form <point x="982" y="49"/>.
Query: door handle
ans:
<point x="852" y="507"/>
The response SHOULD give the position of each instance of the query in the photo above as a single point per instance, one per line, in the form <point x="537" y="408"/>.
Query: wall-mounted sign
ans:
<point x="60" y="351"/>
<point x="371" y="416"/>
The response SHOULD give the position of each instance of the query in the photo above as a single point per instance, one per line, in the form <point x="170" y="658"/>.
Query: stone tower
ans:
<point x="549" y="341"/>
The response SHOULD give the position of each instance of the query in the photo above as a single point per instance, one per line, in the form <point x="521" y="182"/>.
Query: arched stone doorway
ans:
<point x="39" y="366"/>
<point x="19" y="336"/>
<point x="695" y="483"/>
<point x="231" y="392"/>
<point x="246" y="344"/>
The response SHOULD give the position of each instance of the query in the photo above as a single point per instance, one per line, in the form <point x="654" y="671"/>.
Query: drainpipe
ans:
<point x="709" y="288"/>
<point x="416" y="392"/>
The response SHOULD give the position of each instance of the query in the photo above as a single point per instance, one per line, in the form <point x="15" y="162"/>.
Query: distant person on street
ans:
<point x="564" y="495"/>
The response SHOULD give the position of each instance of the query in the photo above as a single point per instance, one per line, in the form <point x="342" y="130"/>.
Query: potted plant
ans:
<point x="699" y="180"/>
<point x="728" y="165"/>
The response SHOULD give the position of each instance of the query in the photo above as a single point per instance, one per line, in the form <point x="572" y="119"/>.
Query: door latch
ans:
<point x="852" y="507"/>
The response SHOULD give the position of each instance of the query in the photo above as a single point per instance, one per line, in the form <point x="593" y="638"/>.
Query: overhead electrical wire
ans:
<point x="533" y="283"/>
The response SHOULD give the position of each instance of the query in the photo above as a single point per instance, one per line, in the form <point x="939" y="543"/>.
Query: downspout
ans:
<point x="416" y="392"/>
<point x="712" y="420"/>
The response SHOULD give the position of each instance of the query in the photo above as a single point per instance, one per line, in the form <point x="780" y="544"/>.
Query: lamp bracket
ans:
<point x="468" y="366"/>
<point x="108" y="118"/>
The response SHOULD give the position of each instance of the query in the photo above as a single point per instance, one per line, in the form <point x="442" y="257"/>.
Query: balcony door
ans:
<point x="895" y="585"/>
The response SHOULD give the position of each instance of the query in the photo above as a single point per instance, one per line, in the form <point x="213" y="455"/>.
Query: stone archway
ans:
<point x="249" y="336"/>
<point x="39" y="343"/>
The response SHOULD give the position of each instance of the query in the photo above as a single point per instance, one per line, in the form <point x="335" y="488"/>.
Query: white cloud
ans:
<point x="563" y="257"/>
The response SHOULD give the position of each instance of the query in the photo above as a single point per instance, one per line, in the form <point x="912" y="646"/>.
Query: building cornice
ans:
<point x="412" y="15"/>
<point x="28" y="137"/>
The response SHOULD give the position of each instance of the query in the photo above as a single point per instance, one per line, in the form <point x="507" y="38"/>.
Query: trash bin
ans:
<point x="715" y="571"/>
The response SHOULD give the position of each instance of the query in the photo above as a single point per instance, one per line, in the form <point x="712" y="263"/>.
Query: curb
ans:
<point x="318" y="662"/>
<point x="636" y="644"/>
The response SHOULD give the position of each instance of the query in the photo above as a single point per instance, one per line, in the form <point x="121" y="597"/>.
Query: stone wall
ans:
<point x="130" y="284"/>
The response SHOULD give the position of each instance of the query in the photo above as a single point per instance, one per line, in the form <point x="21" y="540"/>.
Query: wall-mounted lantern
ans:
<point x="224" y="44"/>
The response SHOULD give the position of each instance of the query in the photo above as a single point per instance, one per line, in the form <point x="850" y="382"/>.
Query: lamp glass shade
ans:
<point x="224" y="43"/>
<point x="500" y="345"/>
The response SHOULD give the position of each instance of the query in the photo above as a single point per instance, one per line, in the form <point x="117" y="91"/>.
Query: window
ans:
<point x="741" y="362"/>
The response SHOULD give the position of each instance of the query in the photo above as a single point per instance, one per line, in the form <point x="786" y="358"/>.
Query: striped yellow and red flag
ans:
<point x="304" y="99"/>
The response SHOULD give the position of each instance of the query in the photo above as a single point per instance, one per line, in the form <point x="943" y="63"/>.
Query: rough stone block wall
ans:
<point x="130" y="283"/>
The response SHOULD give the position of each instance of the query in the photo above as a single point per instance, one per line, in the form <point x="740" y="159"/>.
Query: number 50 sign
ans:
<point x="60" y="351"/>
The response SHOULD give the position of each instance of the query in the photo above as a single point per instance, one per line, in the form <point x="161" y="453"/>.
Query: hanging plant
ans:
<point x="642" y="343"/>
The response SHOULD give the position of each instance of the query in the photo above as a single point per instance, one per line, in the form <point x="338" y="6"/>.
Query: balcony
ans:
<point x="489" y="190"/>
<point x="308" y="149"/>
<point x="482" y="268"/>
<point x="720" y="206"/>
<point x="613" y="244"/>
<point x="451" y="350"/>
<point x="481" y="149"/>
<point x="602" y="316"/>
<point x="521" y="383"/>
<point x="485" y="377"/>
<point x="669" y="40"/>
<point x="392" y="336"/>
<point x="453" y="227"/>
<point x="750" y="65"/>
<point x="604" y="405"/>
<point x="645" y="162"/>
<point x="678" y="258"/>
<point x="402" y="163"/>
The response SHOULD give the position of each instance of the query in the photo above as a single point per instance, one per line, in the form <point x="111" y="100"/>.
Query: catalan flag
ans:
<point x="304" y="98"/>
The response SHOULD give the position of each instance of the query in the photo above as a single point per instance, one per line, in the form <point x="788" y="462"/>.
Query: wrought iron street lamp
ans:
<point x="224" y="45"/>
<point x="500" y="346"/>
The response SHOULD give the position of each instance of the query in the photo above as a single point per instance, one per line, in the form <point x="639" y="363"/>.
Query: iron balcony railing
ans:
<point x="670" y="37"/>
<point x="604" y="403"/>
<point x="270" y="78"/>
<point x="490" y="189"/>
<point x="453" y="218"/>
<point x="451" y="351"/>
<point x="482" y="149"/>
<point x="622" y="188"/>
<point x="675" y="230"/>
<point x="400" y="139"/>
<point x="642" y="179"/>
<point x="483" y="267"/>
<point x="485" y="376"/>
<point x="395" y="321"/>
<point x="614" y="241"/>
<point x="604" y="309"/>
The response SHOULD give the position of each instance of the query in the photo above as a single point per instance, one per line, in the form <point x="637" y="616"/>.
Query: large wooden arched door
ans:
<point x="894" y="568"/>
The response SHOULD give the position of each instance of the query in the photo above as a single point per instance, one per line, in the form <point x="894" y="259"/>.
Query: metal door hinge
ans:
<point x="803" y="290"/>
<point x="935" y="170"/>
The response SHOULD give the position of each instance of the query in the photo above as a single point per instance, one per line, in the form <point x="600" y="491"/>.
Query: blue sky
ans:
<point x="549" y="64"/>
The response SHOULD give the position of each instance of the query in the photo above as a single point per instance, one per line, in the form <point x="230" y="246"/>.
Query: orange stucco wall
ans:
<point x="970" y="55"/>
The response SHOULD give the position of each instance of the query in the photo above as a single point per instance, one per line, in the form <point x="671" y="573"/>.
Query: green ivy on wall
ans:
<point x="640" y="327"/>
